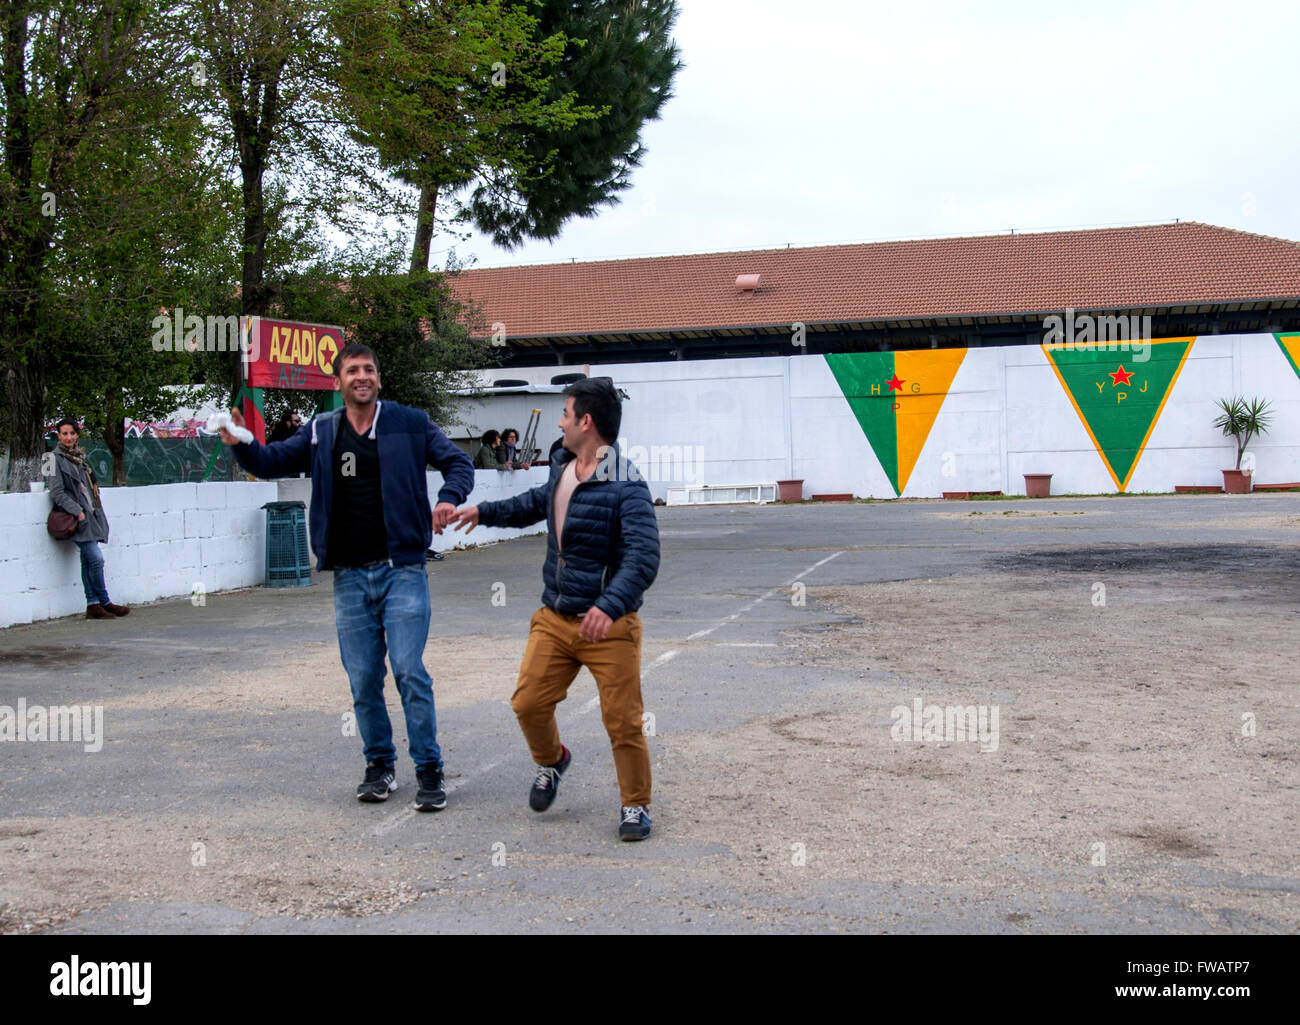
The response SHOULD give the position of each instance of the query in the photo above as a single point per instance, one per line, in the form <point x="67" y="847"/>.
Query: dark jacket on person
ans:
<point x="71" y="491"/>
<point x="407" y="441"/>
<point x="486" y="459"/>
<point x="610" y="554"/>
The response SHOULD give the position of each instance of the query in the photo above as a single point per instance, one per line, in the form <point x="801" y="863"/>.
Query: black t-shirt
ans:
<point x="357" y="534"/>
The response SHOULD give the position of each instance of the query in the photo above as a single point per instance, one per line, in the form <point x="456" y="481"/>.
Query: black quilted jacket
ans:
<point x="611" y="537"/>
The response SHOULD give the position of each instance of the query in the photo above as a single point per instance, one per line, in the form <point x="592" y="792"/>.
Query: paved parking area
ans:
<point x="1129" y="664"/>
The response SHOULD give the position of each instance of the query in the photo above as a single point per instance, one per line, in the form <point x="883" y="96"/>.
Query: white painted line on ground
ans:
<point x="815" y="565"/>
<point x="667" y="656"/>
<point x="408" y="813"/>
<point x="762" y="598"/>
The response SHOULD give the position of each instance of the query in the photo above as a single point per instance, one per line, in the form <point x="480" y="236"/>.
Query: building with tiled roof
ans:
<point x="1190" y="278"/>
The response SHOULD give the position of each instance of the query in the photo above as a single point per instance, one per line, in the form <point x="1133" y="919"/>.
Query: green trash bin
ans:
<point x="288" y="563"/>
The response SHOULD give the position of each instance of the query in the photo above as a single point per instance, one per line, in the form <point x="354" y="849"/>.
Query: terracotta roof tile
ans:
<point x="1124" y="268"/>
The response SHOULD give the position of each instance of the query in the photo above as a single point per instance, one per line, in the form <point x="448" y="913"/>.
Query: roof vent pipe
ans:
<point x="748" y="283"/>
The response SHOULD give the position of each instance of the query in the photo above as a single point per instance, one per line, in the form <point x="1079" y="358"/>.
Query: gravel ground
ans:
<point x="1138" y="654"/>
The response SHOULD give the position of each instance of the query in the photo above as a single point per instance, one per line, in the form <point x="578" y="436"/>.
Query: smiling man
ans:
<point x="371" y="525"/>
<point x="602" y="553"/>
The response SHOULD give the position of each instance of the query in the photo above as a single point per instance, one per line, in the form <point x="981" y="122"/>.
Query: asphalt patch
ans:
<point x="1216" y="559"/>
<point x="52" y="658"/>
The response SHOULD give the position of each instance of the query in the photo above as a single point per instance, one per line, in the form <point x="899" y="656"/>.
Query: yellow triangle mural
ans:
<point x="896" y="397"/>
<point x="932" y="373"/>
<point x="1291" y="349"/>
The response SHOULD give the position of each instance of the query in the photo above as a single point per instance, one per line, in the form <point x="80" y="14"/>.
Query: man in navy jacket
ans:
<point x="371" y="525"/>
<point x="602" y="553"/>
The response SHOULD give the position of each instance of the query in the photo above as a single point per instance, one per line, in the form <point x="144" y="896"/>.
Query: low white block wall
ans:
<point x="162" y="541"/>
<point x="165" y="539"/>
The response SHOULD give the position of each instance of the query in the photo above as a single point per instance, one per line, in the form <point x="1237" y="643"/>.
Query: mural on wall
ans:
<point x="1119" y="397"/>
<point x="1290" y="349"/>
<point x="896" y="397"/>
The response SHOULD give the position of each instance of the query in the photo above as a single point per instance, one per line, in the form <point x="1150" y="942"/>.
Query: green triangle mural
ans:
<point x="1118" y="398"/>
<point x="856" y="375"/>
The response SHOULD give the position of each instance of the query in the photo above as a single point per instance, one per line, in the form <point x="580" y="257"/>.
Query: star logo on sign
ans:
<point x="326" y="350"/>
<point x="1121" y="376"/>
<point x="895" y="384"/>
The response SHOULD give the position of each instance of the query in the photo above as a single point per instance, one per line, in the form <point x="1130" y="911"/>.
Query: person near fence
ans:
<point x="486" y="457"/>
<point x="509" y="454"/>
<point x="371" y="525"/>
<point x="75" y="489"/>
<point x="602" y="553"/>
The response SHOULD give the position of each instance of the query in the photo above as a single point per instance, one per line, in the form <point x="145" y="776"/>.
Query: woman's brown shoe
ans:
<point x="118" y="610"/>
<point x="98" y="612"/>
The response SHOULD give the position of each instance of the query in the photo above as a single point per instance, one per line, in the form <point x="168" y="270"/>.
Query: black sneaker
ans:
<point x="378" y="784"/>
<point x="547" y="783"/>
<point x="431" y="796"/>
<point x="635" y="824"/>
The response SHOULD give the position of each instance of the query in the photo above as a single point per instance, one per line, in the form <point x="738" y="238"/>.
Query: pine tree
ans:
<point x="621" y="59"/>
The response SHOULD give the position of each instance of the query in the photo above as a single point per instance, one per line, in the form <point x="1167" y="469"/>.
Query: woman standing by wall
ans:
<point x="76" y="491"/>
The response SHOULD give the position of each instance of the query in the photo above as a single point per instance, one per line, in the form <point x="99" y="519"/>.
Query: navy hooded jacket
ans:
<point x="408" y="442"/>
<point x="611" y="537"/>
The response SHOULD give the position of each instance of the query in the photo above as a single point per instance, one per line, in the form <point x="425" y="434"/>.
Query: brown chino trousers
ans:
<point x="553" y="657"/>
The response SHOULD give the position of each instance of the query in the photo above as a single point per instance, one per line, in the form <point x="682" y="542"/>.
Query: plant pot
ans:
<point x="1038" y="485"/>
<point x="790" y="490"/>
<point x="1237" y="482"/>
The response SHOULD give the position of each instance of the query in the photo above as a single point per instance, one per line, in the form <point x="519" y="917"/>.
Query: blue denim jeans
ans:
<point x="382" y="609"/>
<point x="92" y="573"/>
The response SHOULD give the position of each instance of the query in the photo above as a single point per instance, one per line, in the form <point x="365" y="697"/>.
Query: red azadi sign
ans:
<point x="286" y="354"/>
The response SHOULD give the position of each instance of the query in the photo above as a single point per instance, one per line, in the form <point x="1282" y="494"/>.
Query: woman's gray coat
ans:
<point x="71" y="491"/>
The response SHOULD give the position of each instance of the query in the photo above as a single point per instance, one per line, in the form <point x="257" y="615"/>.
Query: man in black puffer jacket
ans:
<point x="602" y="552"/>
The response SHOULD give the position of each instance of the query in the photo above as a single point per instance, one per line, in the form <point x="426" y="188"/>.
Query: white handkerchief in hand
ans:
<point x="217" y="421"/>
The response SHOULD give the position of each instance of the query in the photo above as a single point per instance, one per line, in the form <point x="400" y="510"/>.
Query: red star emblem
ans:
<point x="1121" y="376"/>
<point x="895" y="384"/>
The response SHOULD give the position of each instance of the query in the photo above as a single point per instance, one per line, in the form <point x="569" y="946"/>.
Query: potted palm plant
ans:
<point x="1241" y="419"/>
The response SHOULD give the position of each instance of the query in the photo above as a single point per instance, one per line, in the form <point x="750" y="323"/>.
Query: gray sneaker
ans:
<point x="378" y="784"/>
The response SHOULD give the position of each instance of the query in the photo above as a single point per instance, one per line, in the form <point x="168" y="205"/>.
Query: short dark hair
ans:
<point x="509" y="430"/>
<point x="70" y="422"/>
<point x="597" y="396"/>
<point x="488" y="436"/>
<point x="352" y="351"/>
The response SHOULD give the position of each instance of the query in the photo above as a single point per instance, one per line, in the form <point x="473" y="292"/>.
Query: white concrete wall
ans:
<point x="734" y="414"/>
<point x="763" y="419"/>
<point x="162" y="541"/>
<point x="166" y="538"/>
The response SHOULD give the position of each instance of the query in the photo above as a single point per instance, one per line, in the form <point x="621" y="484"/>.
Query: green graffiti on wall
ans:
<point x="163" y="460"/>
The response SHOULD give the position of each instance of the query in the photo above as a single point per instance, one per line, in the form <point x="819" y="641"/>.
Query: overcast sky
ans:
<point x="817" y="121"/>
